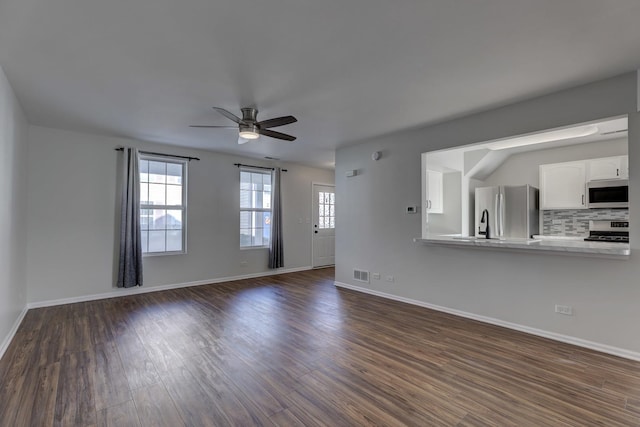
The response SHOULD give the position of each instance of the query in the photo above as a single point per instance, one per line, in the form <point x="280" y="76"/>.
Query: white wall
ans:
<point x="450" y="221"/>
<point x="13" y="232"/>
<point x="523" y="168"/>
<point x="374" y="233"/>
<point x="72" y="217"/>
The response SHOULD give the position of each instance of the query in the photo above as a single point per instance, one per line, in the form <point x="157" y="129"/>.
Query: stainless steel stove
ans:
<point x="608" y="231"/>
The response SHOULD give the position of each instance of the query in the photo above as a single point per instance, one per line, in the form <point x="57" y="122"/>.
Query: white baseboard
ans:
<point x="616" y="351"/>
<point x="120" y="292"/>
<point x="12" y="332"/>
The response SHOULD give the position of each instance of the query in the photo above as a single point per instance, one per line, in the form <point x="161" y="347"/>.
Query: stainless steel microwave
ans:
<point x="609" y="193"/>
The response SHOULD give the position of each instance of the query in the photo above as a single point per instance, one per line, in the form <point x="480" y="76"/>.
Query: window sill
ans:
<point x="248" y="248"/>
<point x="157" y="254"/>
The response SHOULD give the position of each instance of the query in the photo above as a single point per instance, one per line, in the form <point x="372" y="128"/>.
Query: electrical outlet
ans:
<point x="390" y="279"/>
<point x="567" y="310"/>
<point x="375" y="276"/>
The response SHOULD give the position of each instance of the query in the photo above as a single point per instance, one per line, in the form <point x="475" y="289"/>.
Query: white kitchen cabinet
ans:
<point x="434" y="196"/>
<point x="624" y="167"/>
<point x="608" y="168"/>
<point x="562" y="185"/>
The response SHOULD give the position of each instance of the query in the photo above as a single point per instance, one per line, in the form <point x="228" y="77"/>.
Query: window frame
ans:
<point x="263" y="210"/>
<point x="183" y="207"/>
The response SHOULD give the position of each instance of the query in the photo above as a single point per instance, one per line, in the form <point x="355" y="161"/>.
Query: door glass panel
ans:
<point x="326" y="210"/>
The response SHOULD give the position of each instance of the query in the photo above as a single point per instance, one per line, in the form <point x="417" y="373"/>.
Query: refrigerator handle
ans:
<point x="503" y="208"/>
<point x="499" y="215"/>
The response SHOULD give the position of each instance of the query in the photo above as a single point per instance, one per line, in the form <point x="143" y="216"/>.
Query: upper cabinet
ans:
<point x="624" y="167"/>
<point x="608" y="168"/>
<point x="434" y="196"/>
<point x="562" y="185"/>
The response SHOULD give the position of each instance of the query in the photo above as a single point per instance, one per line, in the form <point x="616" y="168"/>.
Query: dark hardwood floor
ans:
<point x="293" y="350"/>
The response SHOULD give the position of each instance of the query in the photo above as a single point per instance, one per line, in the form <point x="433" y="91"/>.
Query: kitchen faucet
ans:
<point x="485" y="220"/>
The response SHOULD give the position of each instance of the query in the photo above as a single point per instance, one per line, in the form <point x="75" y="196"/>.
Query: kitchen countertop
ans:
<point x="570" y="245"/>
<point x="564" y="238"/>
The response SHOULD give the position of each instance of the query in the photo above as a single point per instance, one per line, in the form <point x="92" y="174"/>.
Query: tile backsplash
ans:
<point x="567" y="222"/>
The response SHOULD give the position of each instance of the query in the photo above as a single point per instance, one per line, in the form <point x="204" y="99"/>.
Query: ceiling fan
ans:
<point x="250" y="128"/>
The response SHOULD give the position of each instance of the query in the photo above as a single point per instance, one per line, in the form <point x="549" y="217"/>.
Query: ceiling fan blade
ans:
<point x="228" y="115"/>
<point x="278" y="121"/>
<point x="218" y="127"/>
<point x="277" y="135"/>
<point x="242" y="140"/>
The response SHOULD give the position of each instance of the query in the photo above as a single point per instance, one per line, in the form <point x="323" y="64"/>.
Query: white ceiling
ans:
<point x="348" y="70"/>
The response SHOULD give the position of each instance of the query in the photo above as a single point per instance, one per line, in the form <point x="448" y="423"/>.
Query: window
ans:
<point x="326" y="210"/>
<point x="162" y="205"/>
<point x="255" y="208"/>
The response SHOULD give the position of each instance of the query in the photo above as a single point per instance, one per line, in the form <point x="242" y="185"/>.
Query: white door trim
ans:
<point x="311" y="227"/>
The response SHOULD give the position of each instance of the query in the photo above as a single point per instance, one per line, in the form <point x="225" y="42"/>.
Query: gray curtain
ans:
<point x="130" y="263"/>
<point x="276" y="248"/>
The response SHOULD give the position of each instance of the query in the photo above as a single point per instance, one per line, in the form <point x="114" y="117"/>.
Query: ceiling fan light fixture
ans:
<point x="249" y="128"/>
<point x="249" y="132"/>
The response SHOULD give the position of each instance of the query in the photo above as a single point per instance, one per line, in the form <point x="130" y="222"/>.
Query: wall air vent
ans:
<point x="361" y="276"/>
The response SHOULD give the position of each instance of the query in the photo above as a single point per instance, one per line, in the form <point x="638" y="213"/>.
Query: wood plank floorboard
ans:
<point x="294" y="350"/>
<point x="156" y="408"/>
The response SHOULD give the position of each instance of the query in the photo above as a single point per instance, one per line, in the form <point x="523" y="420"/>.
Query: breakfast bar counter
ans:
<point x="569" y="246"/>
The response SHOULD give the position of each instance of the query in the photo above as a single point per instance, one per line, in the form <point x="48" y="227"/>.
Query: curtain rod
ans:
<point x="257" y="167"/>
<point x="162" y="154"/>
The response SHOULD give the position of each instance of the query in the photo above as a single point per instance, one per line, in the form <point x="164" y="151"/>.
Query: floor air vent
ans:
<point x="361" y="276"/>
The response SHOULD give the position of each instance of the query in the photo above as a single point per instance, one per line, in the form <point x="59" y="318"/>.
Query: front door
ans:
<point x="324" y="225"/>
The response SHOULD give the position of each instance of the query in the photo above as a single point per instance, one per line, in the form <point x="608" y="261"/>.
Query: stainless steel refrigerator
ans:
<point x="506" y="212"/>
